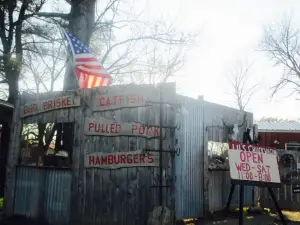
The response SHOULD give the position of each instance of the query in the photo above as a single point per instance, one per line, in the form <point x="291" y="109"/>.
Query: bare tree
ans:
<point x="241" y="89"/>
<point x="282" y="44"/>
<point x="150" y="52"/>
<point x="124" y="42"/>
<point x="44" y="66"/>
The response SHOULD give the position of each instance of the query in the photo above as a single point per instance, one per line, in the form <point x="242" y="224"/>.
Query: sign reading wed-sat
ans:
<point x="253" y="163"/>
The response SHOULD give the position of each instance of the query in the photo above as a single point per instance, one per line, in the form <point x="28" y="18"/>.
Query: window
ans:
<point x="48" y="144"/>
<point x="218" y="155"/>
<point x="292" y="146"/>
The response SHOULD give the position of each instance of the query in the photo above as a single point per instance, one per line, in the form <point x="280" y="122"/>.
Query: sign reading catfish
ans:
<point x="104" y="127"/>
<point x="49" y="104"/>
<point x="116" y="97"/>
<point x="115" y="160"/>
<point x="253" y="163"/>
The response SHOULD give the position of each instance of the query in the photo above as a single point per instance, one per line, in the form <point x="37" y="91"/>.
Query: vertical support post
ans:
<point x="160" y="147"/>
<point x="241" y="216"/>
<point x="230" y="196"/>
<point x="277" y="206"/>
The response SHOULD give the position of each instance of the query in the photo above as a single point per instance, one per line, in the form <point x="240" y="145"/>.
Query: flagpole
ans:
<point x="69" y="62"/>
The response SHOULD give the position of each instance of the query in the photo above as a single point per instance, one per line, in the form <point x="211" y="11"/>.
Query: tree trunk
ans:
<point x="5" y="132"/>
<point x="82" y="19"/>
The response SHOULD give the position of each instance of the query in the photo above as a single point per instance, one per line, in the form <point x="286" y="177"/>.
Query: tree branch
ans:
<point x="65" y="16"/>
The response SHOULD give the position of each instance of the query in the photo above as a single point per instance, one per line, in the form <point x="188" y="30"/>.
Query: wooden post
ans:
<point x="13" y="155"/>
<point x="277" y="206"/>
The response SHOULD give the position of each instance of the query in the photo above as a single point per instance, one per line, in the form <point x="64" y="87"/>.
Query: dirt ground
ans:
<point x="267" y="218"/>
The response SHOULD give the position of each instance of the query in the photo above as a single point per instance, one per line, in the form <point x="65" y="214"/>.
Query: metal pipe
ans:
<point x="241" y="206"/>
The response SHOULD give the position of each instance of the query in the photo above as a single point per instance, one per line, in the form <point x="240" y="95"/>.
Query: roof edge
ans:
<point x="6" y="104"/>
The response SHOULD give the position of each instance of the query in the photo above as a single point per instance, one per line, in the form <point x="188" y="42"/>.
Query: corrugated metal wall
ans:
<point x="219" y="181"/>
<point x="43" y="194"/>
<point x="219" y="188"/>
<point x="199" y="116"/>
<point x="189" y="164"/>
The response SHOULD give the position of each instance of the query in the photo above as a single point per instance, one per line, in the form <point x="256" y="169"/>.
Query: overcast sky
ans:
<point x="231" y="29"/>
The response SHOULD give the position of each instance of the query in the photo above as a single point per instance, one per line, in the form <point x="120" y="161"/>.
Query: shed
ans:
<point x="130" y="142"/>
<point x="282" y="135"/>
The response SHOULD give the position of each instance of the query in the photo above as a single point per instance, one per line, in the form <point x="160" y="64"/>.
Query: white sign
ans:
<point x="115" y="160"/>
<point x="253" y="163"/>
<point x="104" y="127"/>
<point x="49" y="104"/>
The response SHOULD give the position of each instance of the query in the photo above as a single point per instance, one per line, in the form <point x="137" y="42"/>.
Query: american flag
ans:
<point x="89" y="70"/>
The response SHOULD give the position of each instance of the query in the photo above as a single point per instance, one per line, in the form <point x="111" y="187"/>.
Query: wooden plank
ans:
<point x="123" y="96"/>
<point x="106" y="127"/>
<point x="117" y="159"/>
<point x="76" y="187"/>
<point x="54" y="103"/>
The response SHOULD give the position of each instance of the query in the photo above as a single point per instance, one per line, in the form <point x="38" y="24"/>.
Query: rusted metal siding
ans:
<point x="268" y="138"/>
<point x="189" y="163"/>
<point x="43" y="194"/>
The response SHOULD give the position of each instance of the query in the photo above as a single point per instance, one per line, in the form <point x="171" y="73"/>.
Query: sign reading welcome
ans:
<point x="116" y="160"/>
<point x="253" y="163"/>
<point x="104" y="127"/>
<point x="58" y="102"/>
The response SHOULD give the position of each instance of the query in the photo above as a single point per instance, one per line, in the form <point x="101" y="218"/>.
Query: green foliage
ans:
<point x="1" y="203"/>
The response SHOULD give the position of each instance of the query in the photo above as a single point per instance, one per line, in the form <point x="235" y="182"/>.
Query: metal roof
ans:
<point x="5" y="104"/>
<point x="278" y="126"/>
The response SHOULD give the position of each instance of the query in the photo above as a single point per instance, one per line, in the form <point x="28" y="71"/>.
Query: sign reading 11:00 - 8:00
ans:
<point x="253" y="163"/>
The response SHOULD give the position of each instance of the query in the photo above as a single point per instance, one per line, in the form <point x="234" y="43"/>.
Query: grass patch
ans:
<point x="1" y="203"/>
<point x="292" y="215"/>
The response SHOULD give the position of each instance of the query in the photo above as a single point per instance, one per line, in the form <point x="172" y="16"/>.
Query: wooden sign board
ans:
<point x="116" y="160"/>
<point x="116" y="97"/>
<point x="41" y="106"/>
<point x="253" y="164"/>
<point x="129" y="96"/>
<point x="104" y="127"/>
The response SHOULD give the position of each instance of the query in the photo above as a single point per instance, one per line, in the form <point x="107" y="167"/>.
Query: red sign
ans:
<point x="115" y="160"/>
<point x="104" y="127"/>
<point x="252" y="148"/>
<point x="253" y="163"/>
<point x="49" y="104"/>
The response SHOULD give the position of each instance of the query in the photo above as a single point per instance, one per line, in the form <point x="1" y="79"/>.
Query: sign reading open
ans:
<point x="253" y="163"/>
